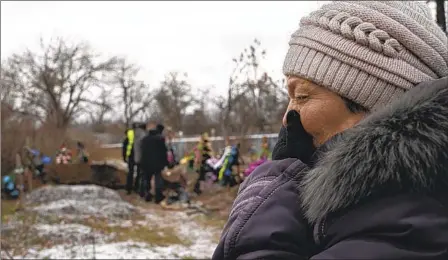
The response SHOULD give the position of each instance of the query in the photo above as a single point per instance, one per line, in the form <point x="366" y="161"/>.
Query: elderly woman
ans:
<point x="360" y="170"/>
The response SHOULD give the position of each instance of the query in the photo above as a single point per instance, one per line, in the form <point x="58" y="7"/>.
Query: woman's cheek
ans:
<point x="308" y="119"/>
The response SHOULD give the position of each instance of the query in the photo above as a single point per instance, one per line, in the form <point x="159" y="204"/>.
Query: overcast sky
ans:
<point x="199" y="38"/>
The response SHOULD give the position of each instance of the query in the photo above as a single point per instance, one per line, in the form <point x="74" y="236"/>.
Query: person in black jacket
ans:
<point x="139" y="134"/>
<point x="153" y="161"/>
<point x="360" y="168"/>
<point x="124" y="146"/>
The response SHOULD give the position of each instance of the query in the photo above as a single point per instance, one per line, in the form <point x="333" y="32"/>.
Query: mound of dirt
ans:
<point x="107" y="173"/>
<point x="79" y="201"/>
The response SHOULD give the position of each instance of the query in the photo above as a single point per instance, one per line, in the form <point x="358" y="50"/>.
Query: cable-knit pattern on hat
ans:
<point x="353" y="28"/>
<point x="368" y="51"/>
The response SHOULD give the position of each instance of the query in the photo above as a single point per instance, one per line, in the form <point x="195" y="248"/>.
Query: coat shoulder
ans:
<point x="411" y="226"/>
<point x="268" y="199"/>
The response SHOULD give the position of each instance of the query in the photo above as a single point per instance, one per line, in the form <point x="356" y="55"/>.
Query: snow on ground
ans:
<point x="120" y="250"/>
<point x="45" y="229"/>
<point x="77" y="241"/>
<point x="84" y="208"/>
<point x="202" y="238"/>
<point x="79" y="201"/>
<point x="77" y="192"/>
<point x="70" y="233"/>
<point x="201" y="247"/>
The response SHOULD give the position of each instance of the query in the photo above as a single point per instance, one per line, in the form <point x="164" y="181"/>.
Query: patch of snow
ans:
<point x="119" y="250"/>
<point x="79" y="192"/>
<point x="45" y="229"/>
<point x="76" y="192"/>
<point x="121" y="223"/>
<point x="92" y="207"/>
<point x="127" y="223"/>
<point x="83" y="242"/>
<point x="70" y="233"/>
<point x="6" y="227"/>
<point x="202" y="238"/>
<point x="79" y="201"/>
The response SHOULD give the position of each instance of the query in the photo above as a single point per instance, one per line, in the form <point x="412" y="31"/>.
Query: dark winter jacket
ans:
<point x="139" y="134"/>
<point x="379" y="191"/>
<point x="154" y="152"/>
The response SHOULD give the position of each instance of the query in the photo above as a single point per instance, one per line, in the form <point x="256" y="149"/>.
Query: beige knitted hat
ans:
<point x="368" y="51"/>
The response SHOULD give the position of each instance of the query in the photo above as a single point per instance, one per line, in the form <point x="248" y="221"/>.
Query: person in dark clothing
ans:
<point x="124" y="146"/>
<point x="82" y="153"/>
<point x="239" y="161"/>
<point x="376" y="191"/>
<point x="360" y="167"/>
<point x="154" y="160"/>
<point x="131" y="152"/>
<point x="160" y="128"/>
<point x="139" y="134"/>
<point x="36" y="163"/>
<point x="172" y="160"/>
<point x="174" y="177"/>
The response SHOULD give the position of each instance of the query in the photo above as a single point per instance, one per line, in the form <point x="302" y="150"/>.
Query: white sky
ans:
<point x="199" y="38"/>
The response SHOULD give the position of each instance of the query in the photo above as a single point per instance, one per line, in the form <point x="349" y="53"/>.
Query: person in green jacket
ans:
<point x="128" y="157"/>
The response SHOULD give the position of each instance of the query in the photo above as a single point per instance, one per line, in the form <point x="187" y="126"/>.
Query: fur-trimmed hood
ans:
<point x="400" y="148"/>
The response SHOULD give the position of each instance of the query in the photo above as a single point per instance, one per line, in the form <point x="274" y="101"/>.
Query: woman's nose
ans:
<point x="285" y="116"/>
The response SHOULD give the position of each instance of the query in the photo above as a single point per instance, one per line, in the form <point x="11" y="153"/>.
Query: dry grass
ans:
<point x="212" y="221"/>
<point x="158" y="236"/>
<point x="21" y="236"/>
<point x="8" y="207"/>
<point x="17" y="240"/>
<point x="219" y="202"/>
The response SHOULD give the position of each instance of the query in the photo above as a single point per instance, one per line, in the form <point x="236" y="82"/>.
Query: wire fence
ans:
<point x="183" y="145"/>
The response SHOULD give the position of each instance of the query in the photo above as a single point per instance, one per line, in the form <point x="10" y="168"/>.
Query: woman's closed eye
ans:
<point x="301" y="97"/>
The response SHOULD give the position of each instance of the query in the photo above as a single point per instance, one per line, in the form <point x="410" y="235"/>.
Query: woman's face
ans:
<point x="323" y="113"/>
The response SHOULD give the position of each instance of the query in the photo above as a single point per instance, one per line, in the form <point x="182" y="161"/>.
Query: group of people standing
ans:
<point x="147" y="153"/>
<point x="146" y="141"/>
<point x="224" y="168"/>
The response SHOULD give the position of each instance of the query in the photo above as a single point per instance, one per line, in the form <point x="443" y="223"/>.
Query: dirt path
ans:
<point x="107" y="226"/>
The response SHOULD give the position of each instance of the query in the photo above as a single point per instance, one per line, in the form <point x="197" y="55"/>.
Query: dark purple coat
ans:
<point x="379" y="191"/>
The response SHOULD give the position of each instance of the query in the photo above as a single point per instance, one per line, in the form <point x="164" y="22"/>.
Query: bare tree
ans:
<point x="135" y="95"/>
<point x="173" y="98"/>
<point x="105" y="106"/>
<point x="254" y="100"/>
<point x="200" y="119"/>
<point x="56" y="84"/>
<point x="7" y="86"/>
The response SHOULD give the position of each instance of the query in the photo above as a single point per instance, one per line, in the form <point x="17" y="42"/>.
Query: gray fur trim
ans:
<point x="403" y="147"/>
